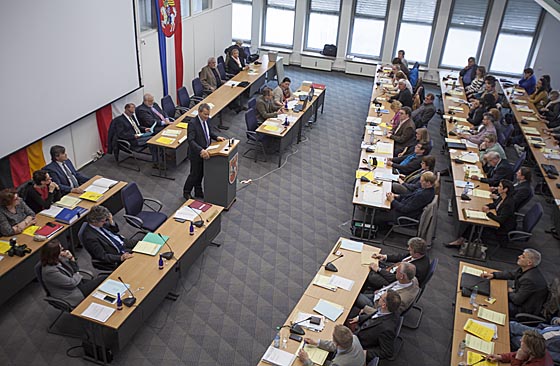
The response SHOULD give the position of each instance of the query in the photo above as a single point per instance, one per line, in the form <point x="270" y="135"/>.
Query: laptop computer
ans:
<point x="469" y="281"/>
<point x="300" y="107"/>
<point x="457" y="145"/>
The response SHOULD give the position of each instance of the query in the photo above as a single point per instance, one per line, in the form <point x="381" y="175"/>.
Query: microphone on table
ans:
<point x="464" y="195"/>
<point x="129" y="301"/>
<point x="197" y="223"/>
<point x="297" y="329"/>
<point x="330" y="266"/>
<point x="166" y="255"/>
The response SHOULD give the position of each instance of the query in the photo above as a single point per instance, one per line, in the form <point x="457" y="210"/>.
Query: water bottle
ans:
<point x="473" y="298"/>
<point x="462" y="346"/>
<point x="371" y="136"/>
<point x="277" y="338"/>
<point x="119" y="301"/>
<point x="160" y="262"/>
<point x="191" y="229"/>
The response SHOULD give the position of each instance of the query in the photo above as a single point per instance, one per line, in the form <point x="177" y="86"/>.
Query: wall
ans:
<point x="204" y="35"/>
<point x="546" y="56"/>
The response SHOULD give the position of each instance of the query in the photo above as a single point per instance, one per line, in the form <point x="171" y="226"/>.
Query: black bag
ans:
<point x="329" y="50"/>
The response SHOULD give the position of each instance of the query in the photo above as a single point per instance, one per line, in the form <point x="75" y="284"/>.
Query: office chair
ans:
<point x="416" y="325"/>
<point x="549" y="309"/>
<point x="253" y="138"/>
<point x="252" y="103"/>
<point x="118" y="146"/>
<point x="519" y="162"/>
<point x="134" y="202"/>
<point x="99" y="265"/>
<point x="170" y="108"/>
<point x="223" y="74"/>
<point x="198" y="88"/>
<point x="220" y="60"/>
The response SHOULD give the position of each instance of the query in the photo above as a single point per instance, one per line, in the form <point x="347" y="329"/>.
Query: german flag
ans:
<point x="18" y="167"/>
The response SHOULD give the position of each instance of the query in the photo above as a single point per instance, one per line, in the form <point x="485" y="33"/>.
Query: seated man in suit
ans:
<point x="127" y="128"/>
<point x="404" y="95"/>
<point x="407" y="164"/>
<point x="346" y="348"/>
<point x="210" y="77"/>
<point x="408" y="204"/>
<point x="522" y="190"/>
<point x="265" y="107"/>
<point x="101" y="238"/>
<point x="496" y="170"/>
<point x="150" y="113"/>
<point x="411" y="182"/>
<point x="405" y="133"/>
<point x="423" y="114"/>
<point x="384" y="273"/>
<point x="63" y="173"/>
<point x="530" y="290"/>
<point x="406" y="285"/>
<point x="377" y="332"/>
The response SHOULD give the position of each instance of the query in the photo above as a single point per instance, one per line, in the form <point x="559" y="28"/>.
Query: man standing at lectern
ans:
<point x="199" y="137"/>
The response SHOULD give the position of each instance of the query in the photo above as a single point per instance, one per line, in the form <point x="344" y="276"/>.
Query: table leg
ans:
<point x="162" y="164"/>
<point x="221" y="126"/>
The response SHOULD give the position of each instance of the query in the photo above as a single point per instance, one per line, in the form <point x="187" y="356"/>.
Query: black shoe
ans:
<point x="199" y="194"/>
<point x="444" y="173"/>
<point x="187" y="196"/>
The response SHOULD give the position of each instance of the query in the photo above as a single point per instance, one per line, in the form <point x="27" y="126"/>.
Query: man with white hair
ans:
<point x="496" y="169"/>
<point x="150" y="113"/>
<point x="530" y="290"/>
<point x="404" y="95"/>
<point x="210" y="77"/>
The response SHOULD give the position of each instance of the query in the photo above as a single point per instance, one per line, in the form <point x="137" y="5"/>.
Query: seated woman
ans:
<point x="282" y="93"/>
<point x="15" y="215"/>
<point x="422" y="137"/>
<point x="235" y="64"/>
<point x="43" y="192"/>
<point x="477" y="136"/>
<point x="395" y="107"/>
<point x="61" y="277"/>
<point x="477" y="85"/>
<point x="540" y="96"/>
<point x="550" y="114"/>
<point x="532" y="352"/>
<point x="505" y="216"/>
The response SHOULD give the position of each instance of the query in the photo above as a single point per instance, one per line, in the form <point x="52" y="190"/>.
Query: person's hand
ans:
<point x="125" y="256"/>
<point x="510" y="289"/>
<point x="137" y="136"/>
<point x="77" y="190"/>
<point x="353" y="320"/>
<point x="110" y="219"/>
<point x="374" y="267"/>
<point x="487" y="275"/>
<point x="485" y="209"/>
<point x="303" y="356"/>
<point x="381" y="257"/>
<point x="493" y="189"/>
<point x="494" y="358"/>
<point x="147" y="129"/>
<point x="389" y="134"/>
<point x="220" y="138"/>
<point x="475" y="177"/>
<point x="390" y="196"/>
<point x="30" y="220"/>
<point x="401" y="181"/>
<point x="67" y="254"/>
<point x="204" y="154"/>
<point x="246" y="67"/>
<point x="53" y="186"/>
<point x="493" y="196"/>
<point x="389" y="163"/>
<point x="311" y="341"/>
<point x="17" y="229"/>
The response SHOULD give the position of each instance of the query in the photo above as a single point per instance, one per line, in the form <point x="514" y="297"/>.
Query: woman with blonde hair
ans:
<point x="395" y="107"/>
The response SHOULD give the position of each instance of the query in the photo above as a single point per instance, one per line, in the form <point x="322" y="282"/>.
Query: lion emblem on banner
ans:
<point x="233" y="168"/>
<point x="167" y="15"/>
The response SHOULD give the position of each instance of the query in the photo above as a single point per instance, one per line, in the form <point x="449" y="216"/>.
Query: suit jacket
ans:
<point x="59" y="177"/>
<point x="208" y="79"/>
<point x="411" y="166"/>
<point x="36" y="202"/>
<point x="423" y="114"/>
<point x="405" y="135"/>
<point x="232" y="67"/>
<point x="125" y="131"/>
<point x="99" y="247"/>
<point x="377" y="336"/>
<point x="353" y="356"/>
<point x="265" y="110"/>
<point x="530" y="289"/>
<point x="407" y="294"/>
<point x="505" y="215"/>
<point x="412" y="204"/>
<point x="196" y="138"/>
<point x="405" y="97"/>
<point x="521" y="192"/>
<point x="422" y="265"/>
<point x="475" y="116"/>
<point x="146" y="117"/>
<point x="503" y="170"/>
<point x="62" y="281"/>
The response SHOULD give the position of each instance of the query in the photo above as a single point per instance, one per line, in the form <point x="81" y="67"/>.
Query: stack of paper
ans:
<point x="187" y="213"/>
<point x="68" y="202"/>
<point x="101" y="185"/>
<point x="469" y="157"/>
<point x="277" y="357"/>
<point x="456" y="109"/>
<point x="479" y="344"/>
<point x="523" y="108"/>
<point x="113" y="287"/>
<point x="165" y="140"/>
<point x="316" y="355"/>
<point x="4" y="246"/>
<point x="341" y="282"/>
<point x="53" y="211"/>
<point x="372" y="194"/>
<point x="492" y="316"/>
<point x="366" y="259"/>
<point x="481" y="331"/>
<point x="386" y="176"/>
<point x="364" y="173"/>
<point x="481" y="193"/>
<point x="328" y="309"/>
<point x="182" y="125"/>
<point x="474" y="358"/>
<point x="30" y="230"/>
<point x="374" y="120"/>
<point x="324" y="281"/>
<point x="151" y="244"/>
<point x="232" y="83"/>
<point x="531" y="131"/>
<point x="354" y="246"/>
<point x="478" y="215"/>
<point x="171" y="133"/>
<point x="384" y="148"/>
<point x="98" y="312"/>
<point x="91" y="196"/>
<point x="471" y="270"/>
<point x="271" y="126"/>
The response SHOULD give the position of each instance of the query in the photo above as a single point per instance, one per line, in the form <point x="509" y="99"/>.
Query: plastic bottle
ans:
<point x="119" y="301"/>
<point x="277" y="338"/>
<point x="474" y="292"/>
<point x="160" y="262"/>
<point x="191" y="229"/>
<point x="462" y="347"/>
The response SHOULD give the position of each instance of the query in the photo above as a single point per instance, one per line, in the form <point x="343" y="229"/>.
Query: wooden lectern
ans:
<point x="220" y="173"/>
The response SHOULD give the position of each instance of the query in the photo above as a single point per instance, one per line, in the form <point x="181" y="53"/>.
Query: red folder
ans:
<point x="49" y="229"/>
<point x="202" y="206"/>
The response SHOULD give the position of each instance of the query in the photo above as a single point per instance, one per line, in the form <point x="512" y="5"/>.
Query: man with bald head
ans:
<point x="149" y="112"/>
<point x="210" y="77"/>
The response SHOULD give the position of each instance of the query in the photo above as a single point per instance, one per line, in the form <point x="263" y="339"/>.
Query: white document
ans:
<point x="329" y="309"/>
<point x="343" y="283"/>
<point x="104" y="182"/>
<point x="384" y="148"/>
<point x="98" y="312"/>
<point x="374" y="120"/>
<point x="187" y="213"/>
<point x="113" y="287"/>
<point x="232" y="83"/>
<point x="372" y="194"/>
<point x="278" y="357"/>
<point x="292" y="103"/>
<point x="96" y="189"/>
<point x="463" y="184"/>
<point x="52" y="212"/>
<point x="212" y="147"/>
<point x="469" y="144"/>
<point x="386" y="176"/>
<point x="352" y="245"/>
<point x="307" y="324"/>
<point x="170" y="133"/>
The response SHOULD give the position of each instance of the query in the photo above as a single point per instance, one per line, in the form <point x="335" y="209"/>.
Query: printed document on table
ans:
<point x="96" y="189"/>
<point x="113" y="287"/>
<point x="278" y="357"/>
<point x="187" y="213"/>
<point x="492" y="316"/>
<point x="343" y="283"/>
<point x="479" y="344"/>
<point x="307" y="324"/>
<point x="328" y="309"/>
<point x="98" y="312"/>
<point x="352" y="245"/>
<point x="471" y="270"/>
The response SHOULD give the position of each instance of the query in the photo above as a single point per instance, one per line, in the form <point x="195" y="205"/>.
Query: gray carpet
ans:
<point x="274" y="237"/>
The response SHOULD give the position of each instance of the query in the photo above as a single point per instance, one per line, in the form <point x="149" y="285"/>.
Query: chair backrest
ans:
<point x="197" y="87"/>
<point x="247" y="52"/>
<point x="252" y="103"/>
<point x="183" y="97"/>
<point x="81" y="232"/>
<point x="251" y="120"/>
<point x="168" y="105"/>
<point x="506" y="134"/>
<point x="532" y="217"/>
<point x="24" y="188"/>
<point x="220" y="60"/>
<point x="428" y="221"/>
<point x="132" y="199"/>
<point x="519" y="162"/>
<point x="39" y="274"/>
<point x="522" y="204"/>
<point x="552" y="303"/>
<point x="222" y="71"/>
<point x="433" y="266"/>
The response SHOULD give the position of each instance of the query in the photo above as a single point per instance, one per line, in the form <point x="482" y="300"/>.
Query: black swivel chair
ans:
<point x="416" y="325"/>
<point x="170" y="108"/>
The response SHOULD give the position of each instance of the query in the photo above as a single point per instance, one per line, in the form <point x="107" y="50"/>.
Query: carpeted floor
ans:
<point x="274" y="238"/>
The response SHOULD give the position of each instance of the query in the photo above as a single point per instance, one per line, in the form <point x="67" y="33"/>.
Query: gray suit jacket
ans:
<point x="407" y="294"/>
<point x="354" y="356"/>
<point x="62" y="282"/>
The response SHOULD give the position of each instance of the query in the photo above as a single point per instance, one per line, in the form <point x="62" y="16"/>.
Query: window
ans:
<point x="322" y="27"/>
<point x="279" y="22"/>
<point x="415" y="33"/>
<point x="147" y="15"/>
<point x="465" y="32"/>
<point x="368" y="28"/>
<point x="197" y="6"/>
<point x="242" y="12"/>
<point x="185" y="8"/>
<point x="515" y="41"/>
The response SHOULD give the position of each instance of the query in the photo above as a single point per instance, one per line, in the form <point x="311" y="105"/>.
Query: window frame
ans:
<point x="531" y="53"/>
<point x="359" y="55"/>
<point x="154" y="14"/>
<point x="243" y="2"/>
<point x="306" y="48"/>
<point x="483" y="30"/>
<point x="431" y="41"/>
<point x="265" y="10"/>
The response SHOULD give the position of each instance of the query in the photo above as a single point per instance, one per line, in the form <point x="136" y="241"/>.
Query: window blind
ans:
<point x="419" y="11"/>
<point x="470" y="13"/>
<point x="372" y="8"/>
<point x="325" y="6"/>
<point x="289" y="4"/>
<point x="521" y="16"/>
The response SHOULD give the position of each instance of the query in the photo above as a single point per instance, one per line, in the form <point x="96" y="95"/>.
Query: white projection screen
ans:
<point x="62" y="60"/>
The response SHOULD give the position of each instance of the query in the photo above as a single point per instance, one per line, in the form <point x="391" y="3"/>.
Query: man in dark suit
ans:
<point x="150" y="112"/>
<point x="404" y="95"/>
<point x="63" y="173"/>
<point x="497" y="169"/>
<point x="377" y="332"/>
<point x="530" y="290"/>
<point x="127" y="128"/>
<point x="199" y="137"/>
<point x="384" y="273"/>
<point x="407" y="164"/>
<point x="101" y="239"/>
<point x="411" y="182"/>
<point x="522" y="190"/>
<point x="405" y="134"/>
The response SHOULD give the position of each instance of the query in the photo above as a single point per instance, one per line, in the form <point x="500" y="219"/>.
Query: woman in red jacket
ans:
<point x="531" y="353"/>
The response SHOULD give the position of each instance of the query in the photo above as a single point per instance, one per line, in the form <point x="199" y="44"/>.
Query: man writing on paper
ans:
<point x="199" y="137"/>
<point x="530" y="290"/>
<point x="63" y="173"/>
<point x="346" y="347"/>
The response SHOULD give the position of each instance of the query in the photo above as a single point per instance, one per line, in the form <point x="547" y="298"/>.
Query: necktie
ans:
<point x="160" y="116"/>
<point x="134" y="124"/>
<point x="205" y="133"/>
<point x="114" y="241"/>
<point x="71" y="177"/>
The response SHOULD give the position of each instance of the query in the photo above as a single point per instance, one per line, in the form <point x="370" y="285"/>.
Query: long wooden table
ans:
<point x="17" y="272"/>
<point x="142" y="272"/>
<point x="350" y="267"/>
<point x="498" y="290"/>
